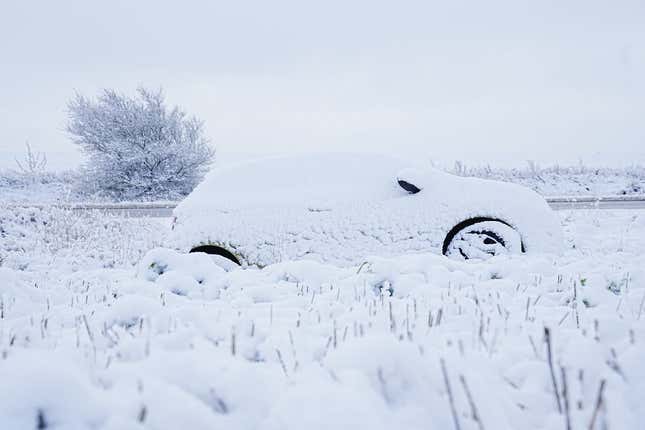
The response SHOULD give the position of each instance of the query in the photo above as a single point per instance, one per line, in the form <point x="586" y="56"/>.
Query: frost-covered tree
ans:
<point x="137" y="148"/>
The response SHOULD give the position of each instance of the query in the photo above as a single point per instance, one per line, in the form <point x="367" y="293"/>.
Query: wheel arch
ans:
<point x="474" y="220"/>
<point x="217" y="250"/>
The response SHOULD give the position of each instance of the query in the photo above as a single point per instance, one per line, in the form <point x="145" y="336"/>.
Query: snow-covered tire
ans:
<point x="482" y="238"/>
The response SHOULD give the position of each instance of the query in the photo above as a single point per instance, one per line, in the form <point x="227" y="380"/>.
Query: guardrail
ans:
<point x="165" y="208"/>
<point x="102" y="206"/>
<point x="589" y="202"/>
<point x="594" y="199"/>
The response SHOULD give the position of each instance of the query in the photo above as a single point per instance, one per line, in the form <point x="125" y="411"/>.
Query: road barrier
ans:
<point x="164" y="209"/>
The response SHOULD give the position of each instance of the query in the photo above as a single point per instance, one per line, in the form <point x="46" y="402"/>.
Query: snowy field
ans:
<point x="97" y="333"/>
<point x="555" y="180"/>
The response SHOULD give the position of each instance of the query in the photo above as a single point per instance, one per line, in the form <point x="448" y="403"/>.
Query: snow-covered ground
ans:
<point x="97" y="332"/>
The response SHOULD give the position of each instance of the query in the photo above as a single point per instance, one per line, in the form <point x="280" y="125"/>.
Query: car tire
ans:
<point x="482" y="238"/>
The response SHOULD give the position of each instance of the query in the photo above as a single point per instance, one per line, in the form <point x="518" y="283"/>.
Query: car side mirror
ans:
<point x="411" y="180"/>
<point x="410" y="188"/>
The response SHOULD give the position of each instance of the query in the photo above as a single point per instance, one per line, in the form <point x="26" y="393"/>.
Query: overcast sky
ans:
<point x="474" y="80"/>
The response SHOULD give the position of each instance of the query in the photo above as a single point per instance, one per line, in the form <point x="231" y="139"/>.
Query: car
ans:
<point x="341" y="208"/>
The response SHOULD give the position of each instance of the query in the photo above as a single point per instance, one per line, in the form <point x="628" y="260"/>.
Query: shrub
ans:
<point x="137" y="148"/>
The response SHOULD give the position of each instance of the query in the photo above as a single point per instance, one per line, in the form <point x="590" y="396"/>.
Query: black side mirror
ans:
<point x="410" y="188"/>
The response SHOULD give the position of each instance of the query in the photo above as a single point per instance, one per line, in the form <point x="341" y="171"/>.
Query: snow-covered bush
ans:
<point x="138" y="148"/>
<point x="30" y="179"/>
<point x="45" y="187"/>
<point x="33" y="164"/>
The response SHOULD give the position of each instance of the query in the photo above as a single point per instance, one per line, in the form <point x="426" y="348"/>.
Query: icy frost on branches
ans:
<point x="137" y="147"/>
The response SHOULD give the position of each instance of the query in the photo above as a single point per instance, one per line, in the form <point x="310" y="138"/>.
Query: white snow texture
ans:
<point x="91" y="339"/>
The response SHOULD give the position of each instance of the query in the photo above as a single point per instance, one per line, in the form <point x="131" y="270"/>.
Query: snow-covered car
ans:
<point x="341" y="208"/>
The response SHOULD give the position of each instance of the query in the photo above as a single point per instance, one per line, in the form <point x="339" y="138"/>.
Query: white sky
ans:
<point x="490" y="81"/>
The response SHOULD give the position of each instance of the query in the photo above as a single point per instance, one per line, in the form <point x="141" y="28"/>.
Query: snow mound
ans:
<point x="181" y="274"/>
<point x="48" y="393"/>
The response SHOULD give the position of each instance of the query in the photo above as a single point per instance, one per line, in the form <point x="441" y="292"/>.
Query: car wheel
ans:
<point x="482" y="238"/>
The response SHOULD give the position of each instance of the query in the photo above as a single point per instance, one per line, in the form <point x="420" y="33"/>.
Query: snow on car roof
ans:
<point x="313" y="179"/>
